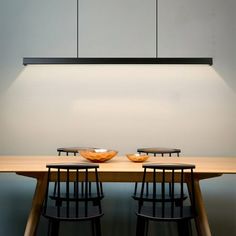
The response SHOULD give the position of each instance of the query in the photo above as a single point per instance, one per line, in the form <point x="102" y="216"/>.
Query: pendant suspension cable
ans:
<point x="77" y="26"/>
<point x="156" y="28"/>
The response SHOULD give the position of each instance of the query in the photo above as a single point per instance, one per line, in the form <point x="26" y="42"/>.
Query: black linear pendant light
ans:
<point x="119" y="60"/>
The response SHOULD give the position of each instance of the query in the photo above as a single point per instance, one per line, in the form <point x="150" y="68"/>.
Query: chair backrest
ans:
<point x="74" y="193"/>
<point x="157" y="150"/>
<point x="72" y="150"/>
<point x="158" y="175"/>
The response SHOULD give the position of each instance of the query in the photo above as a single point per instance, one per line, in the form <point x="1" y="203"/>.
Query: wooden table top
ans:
<point x="220" y="165"/>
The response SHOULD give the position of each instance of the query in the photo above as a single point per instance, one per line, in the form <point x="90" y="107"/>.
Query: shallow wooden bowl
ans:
<point x="98" y="155"/>
<point x="137" y="157"/>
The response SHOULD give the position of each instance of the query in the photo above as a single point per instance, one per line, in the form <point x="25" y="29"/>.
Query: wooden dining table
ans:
<point x="118" y="169"/>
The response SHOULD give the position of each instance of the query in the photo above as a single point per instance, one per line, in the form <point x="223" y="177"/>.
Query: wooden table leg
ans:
<point x="201" y="221"/>
<point x="35" y="212"/>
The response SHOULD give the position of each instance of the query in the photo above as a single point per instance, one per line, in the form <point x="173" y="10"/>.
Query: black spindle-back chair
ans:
<point x="156" y="207"/>
<point x="76" y="201"/>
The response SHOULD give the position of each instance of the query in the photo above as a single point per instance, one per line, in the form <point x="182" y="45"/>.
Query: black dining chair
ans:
<point x="76" y="202"/>
<point x="156" y="207"/>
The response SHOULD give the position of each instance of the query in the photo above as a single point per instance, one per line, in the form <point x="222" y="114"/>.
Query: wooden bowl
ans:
<point x="137" y="157"/>
<point x="98" y="155"/>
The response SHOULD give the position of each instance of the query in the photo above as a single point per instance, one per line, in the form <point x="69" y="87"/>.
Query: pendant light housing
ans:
<point x="80" y="60"/>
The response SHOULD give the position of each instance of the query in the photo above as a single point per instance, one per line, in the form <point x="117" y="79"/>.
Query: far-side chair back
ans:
<point x="158" y="150"/>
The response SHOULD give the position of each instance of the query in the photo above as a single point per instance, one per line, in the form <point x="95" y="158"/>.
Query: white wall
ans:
<point x="118" y="106"/>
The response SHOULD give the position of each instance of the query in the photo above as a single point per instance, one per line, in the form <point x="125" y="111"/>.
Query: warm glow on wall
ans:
<point x="119" y="107"/>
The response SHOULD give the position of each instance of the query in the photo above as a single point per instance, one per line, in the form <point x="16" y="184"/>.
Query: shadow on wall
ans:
<point x="227" y="72"/>
<point x="10" y="71"/>
<point x="223" y="41"/>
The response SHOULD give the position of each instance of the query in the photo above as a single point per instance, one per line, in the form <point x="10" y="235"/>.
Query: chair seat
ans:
<point x="92" y="213"/>
<point x="169" y="214"/>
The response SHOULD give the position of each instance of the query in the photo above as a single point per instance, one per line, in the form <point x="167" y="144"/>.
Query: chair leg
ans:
<point x="190" y="228"/>
<point x="146" y="227"/>
<point x="54" y="228"/>
<point x="135" y="188"/>
<point x="96" y="227"/>
<point x="93" y="228"/>
<point x="184" y="228"/>
<point x="141" y="227"/>
<point x="49" y="227"/>
<point x="55" y="188"/>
